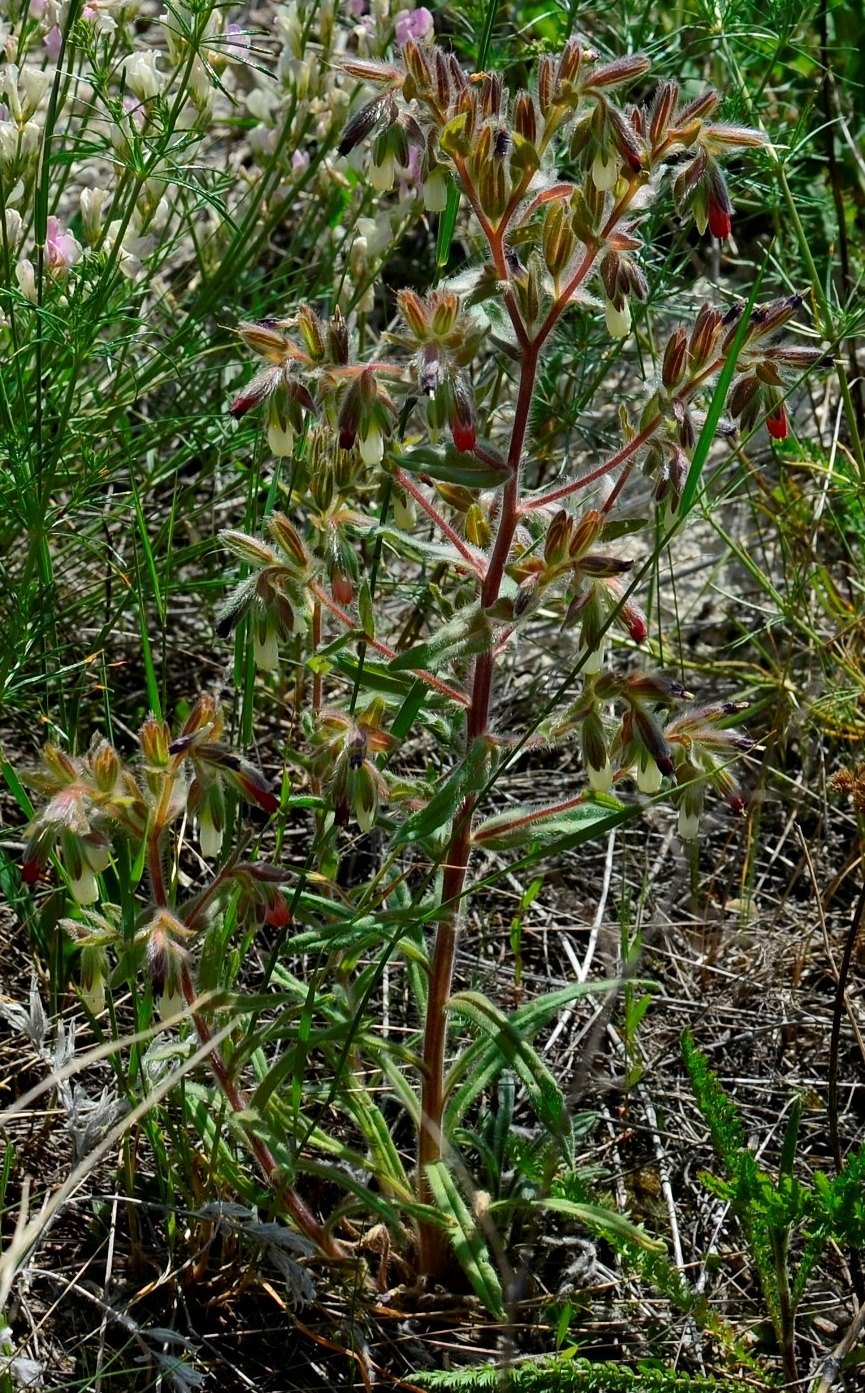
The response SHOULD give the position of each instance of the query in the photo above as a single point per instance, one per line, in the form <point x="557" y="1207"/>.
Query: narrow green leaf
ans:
<point x="468" y="633"/>
<point x="719" y="397"/>
<point x="602" y="1221"/>
<point x="451" y="466"/>
<point x="468" y="775"/>
<point x="520" y="827"/>
<point x="469" y="1245"/>
<point x="405" y="716"/>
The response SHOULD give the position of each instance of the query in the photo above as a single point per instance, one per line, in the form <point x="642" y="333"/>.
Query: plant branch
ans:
<point x="284" y="1193"/>
<point x="470" y="557"/>
<point x="385" y="649"/>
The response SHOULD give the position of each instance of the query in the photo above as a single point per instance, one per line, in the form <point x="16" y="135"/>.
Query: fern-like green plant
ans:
<point x="785" y="1221"/>
<point x="568" y="1373"/>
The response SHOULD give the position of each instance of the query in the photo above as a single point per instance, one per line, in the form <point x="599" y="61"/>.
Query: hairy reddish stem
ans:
<point x="409" y="486"/>
<point x="385" y="649"/>
<point x="433" y="1241"/>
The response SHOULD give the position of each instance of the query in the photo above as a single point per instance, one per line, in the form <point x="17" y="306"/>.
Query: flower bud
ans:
<point x="719" y="210"/>
<point x="445" y="313"/>
<point x="663" y="107"/>
<point x="558" y="239"/>
<point x="777" y="424"/>
<point x="413" y="311"/>
<point x="546" y="83"/>
<point x="154" y="738"/>
<point x="462" y="421"/>
<point x="477" y="526"/>
<point x="586" y="532"/>
<point x="558" y="540"/>
<point x="310" y="328"/>
<point x="674" y="359"/>
<point x="525" y="120"/>
<point x="337" y="338"/>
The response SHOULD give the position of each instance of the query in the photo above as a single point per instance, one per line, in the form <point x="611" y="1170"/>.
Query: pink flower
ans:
<point x="37" y="8"/>
<point x="235" y="42"/>
<point x="413" y="24"/>
<point x="356" y="8"/>
<point x="299" y="161"/>
<point x="53" y="42"/>
<point x="61" y="248"/>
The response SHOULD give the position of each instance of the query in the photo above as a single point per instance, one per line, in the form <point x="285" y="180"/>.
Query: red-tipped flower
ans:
<point x="720" y="222"/>
<point x="777" y="424"/>
<point x="462" y="416"/>
<point x="720" y="209"/>
<point x="465" y="436"/>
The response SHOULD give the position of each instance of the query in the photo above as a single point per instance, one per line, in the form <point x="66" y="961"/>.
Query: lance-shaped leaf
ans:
<point x="603" y="1221"/>
<point x="467" y="776"/>
<point x="484" y="1059"/>
<point x="468" y="633"/>
<point x="467" y="1238"/>
<point x="538" y="1080"/>
<point x="452" y="466"/>
<point x="541" y="828"/>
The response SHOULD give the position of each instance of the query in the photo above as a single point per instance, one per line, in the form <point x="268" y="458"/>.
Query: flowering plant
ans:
<point x="420" y="454"/>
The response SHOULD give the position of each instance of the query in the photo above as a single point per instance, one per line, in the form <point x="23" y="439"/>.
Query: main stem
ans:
<point x="433" y="1241"/>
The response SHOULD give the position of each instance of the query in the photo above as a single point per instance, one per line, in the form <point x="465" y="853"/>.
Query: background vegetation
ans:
<point x="707" y="1229"/>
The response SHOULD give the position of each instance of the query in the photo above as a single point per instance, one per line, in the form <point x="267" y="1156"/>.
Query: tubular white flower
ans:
<point x="83" y="886"/>
<point x="266" y="650"/>
<point x="209" y="835"/>
<point x="33" y="83"/>
<point x="601" y="780"/>
<point x="618" y="320"/>
<point x="649" y="777"/>
<point x="594" y="660"/>
<point x="689" y="824"/>
<point x="26" y="278"/>
<point x="14" y="223"/>
<point x="143" y="78"/>
<point x="93" y="203"/>
<point x="435" y="192"/>
<point x="381" y="175"/>
<point x="605" y="172"/>
<point x="404" y="512"/>
<point x="280" y="439"/>
<point x="170" y="1005"/>
<point x="371" y="446"/>
<point x="93" y="995"/>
